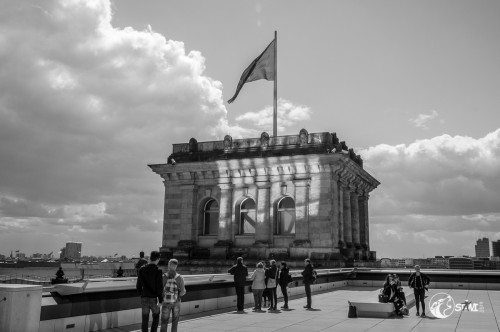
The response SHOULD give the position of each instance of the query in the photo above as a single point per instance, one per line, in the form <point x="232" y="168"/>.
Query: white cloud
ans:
<point x="84" y="107"/>
<point x="446" y="185"/>
<point x="289" y="116"/>
<point x="422" y="120"/>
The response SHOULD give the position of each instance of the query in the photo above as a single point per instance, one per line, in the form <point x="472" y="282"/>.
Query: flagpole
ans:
<point x="275" y="104"/>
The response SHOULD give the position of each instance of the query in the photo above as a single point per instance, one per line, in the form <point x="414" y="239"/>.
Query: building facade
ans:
<point x="288" y="196"/>
<point x="495" y="246"/>
<point x="73" y="250"/>
<point x="461" y="263"/>
<point x="483" y="247"/>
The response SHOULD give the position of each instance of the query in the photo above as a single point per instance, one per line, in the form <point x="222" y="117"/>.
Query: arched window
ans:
<point x="286" y="217"/>
<point x="211" y="217"/>
<point x="248" y="216"/>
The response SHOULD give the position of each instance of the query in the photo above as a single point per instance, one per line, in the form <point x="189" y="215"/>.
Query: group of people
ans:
<point x="265" y="281"/>
<point x="392" y="288"/>
<point x="161" y="292"/>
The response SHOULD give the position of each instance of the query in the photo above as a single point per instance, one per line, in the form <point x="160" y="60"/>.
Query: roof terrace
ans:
<point x="112" y="304"/>
<point x="329" y="313"/>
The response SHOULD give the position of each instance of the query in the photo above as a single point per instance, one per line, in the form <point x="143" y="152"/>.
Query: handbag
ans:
<point x="352" y="311"/>
<point x="383" y="298"/>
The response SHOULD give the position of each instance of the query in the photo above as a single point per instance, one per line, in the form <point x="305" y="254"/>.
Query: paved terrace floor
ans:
<point x="329" y="313"/>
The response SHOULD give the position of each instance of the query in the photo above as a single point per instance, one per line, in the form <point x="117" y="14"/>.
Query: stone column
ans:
<point x="363" y="221"/>
<point x="188" y="215"/>
<point x="335" y="213"/>
<point x="262" y="229"/>
<point x="355" y="224"/>
<point x="302" y="209"/>
<point x="347" y="215"/>
<point x="171" y="215"/>
<point x="225" y="232"/>
<point x="340" y="205"/>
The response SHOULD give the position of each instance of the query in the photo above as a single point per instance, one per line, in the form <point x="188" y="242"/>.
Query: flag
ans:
<point x="263" y="67"/>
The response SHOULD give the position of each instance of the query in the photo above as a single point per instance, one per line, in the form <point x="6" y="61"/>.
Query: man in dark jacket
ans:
<point x="419" y="282"/>
<point x="284" y="279"/>
<point x="150" y="287"/>
<point x="307" y="275"/>
<point x="240" y="273"/>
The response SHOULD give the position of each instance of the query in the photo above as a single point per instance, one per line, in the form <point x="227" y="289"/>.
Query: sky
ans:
<point x="92" y="91"/>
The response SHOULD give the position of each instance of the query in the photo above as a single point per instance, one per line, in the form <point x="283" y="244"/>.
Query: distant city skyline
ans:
<point x="411" y="86"/>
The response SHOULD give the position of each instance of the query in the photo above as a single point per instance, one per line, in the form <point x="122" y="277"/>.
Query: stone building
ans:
<point x="293" y="196"/>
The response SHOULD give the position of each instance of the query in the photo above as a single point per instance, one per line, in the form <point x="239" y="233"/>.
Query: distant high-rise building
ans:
<point x="483" y="247"/>
<point x="73" y="250"/>
<point x="495" y="246"/>
<point x="62" y="253"/>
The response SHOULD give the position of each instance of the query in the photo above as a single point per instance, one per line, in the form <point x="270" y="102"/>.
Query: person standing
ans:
<point x="141" y="262"/>
<point x="240" y="273"/>
<point x="119" y="272"/>
<point x="150" y="287"/>
<point x="258" y="285"/>
<point x="272" y="282"/>
<point x="308" y="275"/>
<point x="173" y="289"/>
<point x="419" y="282"/>
<point x="284" y="279"/>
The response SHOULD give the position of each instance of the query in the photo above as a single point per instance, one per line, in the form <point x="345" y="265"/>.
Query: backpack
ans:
<point x="314" y="276"/>
<point x="171" y="289"/>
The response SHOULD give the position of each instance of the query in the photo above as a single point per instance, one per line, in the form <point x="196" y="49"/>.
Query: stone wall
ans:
<point x="330" y="192"/>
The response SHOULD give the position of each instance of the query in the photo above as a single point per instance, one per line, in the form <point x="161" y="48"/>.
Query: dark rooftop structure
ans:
<point x="302" y="144"/>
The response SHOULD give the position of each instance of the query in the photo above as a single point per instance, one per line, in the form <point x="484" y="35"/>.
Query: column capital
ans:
<point x="363" y="196"/>
<point x="343" y="184"/>
<point x="261" y="178"/>
<point x="302" y="182"/>
<point x="188" y="186"/>
<point x="225" y="186"/>
<point x="263" y="184"/>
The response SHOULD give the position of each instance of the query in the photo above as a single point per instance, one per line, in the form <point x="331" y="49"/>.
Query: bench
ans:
<point x="370" y="307"/>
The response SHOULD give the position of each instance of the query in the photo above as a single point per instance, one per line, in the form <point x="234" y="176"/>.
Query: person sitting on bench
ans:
<point x="394" y="294"/>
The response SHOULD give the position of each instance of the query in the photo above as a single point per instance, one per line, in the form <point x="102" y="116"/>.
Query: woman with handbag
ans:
<point x="258" y="285"/>
<point x="272" y="282"/>
<point x="284" y="279"/>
